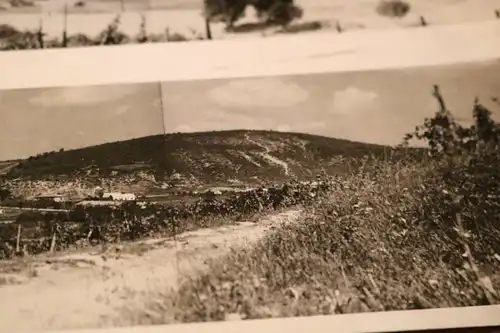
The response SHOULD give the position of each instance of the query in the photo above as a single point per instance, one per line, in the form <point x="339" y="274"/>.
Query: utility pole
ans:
<point x="40" y="34"/>
<point x="208" y="29"/>
<point x="65" y="29"/>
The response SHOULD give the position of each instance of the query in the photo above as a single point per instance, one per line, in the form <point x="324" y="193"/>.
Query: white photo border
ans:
<point x="320" y="52"/>
<point x="258" y="57"/>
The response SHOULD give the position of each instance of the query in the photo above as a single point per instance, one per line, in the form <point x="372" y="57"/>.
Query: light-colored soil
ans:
<point x="91" y="289"/>
<point x="185" y="16"/>
<point x="265" y="154"/>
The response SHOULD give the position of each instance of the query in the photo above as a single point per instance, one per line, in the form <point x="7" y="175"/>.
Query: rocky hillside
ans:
<point x="223" y="157"/>
<point x="6" y="166"/>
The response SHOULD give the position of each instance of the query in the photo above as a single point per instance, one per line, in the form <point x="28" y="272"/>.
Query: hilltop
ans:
<point x="219" y="157"/>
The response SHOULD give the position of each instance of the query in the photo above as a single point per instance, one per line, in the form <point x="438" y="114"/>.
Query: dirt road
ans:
<point x="90" y="290"/>
<point x="265" y="155"/>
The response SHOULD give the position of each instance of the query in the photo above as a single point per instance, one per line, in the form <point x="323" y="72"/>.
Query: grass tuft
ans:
<point x="394" y="235"/>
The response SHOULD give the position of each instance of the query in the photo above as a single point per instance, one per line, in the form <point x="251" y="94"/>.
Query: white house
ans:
<point x="212" y="192"/>
<point x="55" y="198"/>
<point x="119" y="196"/>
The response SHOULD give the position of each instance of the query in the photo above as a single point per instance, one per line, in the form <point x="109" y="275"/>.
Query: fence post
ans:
<point x="53" y="241"/>
<point x="423" y="22"/>
<point x="40" y="34"/>
<point x="18" y="240"/>
<point x="65" y="29"/>
<point x="338" y="26"/>
<point x="208" y="29"/>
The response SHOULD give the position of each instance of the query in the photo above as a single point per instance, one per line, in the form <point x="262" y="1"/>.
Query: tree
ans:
<point x="4" y="193"/>
<point x="393" y="8"/>
<point x="280" y="12"/>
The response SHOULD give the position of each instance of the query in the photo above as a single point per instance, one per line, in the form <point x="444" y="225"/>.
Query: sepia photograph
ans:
<point x="250" y="198"/>
<point x="333" y="193"/>
<point x="69" y="193"/>
<point x="46" y="24"/>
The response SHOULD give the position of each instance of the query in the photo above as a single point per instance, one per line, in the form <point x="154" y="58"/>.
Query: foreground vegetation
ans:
<point x="35" y="232"/>
<point x="279" y="14"/>
<point x="393" y="236"/>
<point x="14" y="39"/>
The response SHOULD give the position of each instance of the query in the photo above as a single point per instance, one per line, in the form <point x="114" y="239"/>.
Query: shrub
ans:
<point x="395" y="235"/>
<point x="132" y="220"/>
<point x="393" y="8"/>
<point x="280" y="12"/>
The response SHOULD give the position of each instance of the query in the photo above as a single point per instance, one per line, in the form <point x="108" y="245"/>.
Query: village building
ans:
<point x="93" y="203"/>
<point x="178" y="180"/>
<point x="119" y="196"/>
<point x="54" y="198"/>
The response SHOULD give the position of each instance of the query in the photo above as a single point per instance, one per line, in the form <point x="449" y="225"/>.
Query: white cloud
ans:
<point x="120" y="110"/>
<point x="352" y="100"/>
<point x="183" y="128"/>
<point x="315" y="125"/>
<point x="284" y="128"/>
<point x="215" y="125"/>
<point x="79" y="96"/>
<point x="213" y="114"/>
<point x="264" y="92"/>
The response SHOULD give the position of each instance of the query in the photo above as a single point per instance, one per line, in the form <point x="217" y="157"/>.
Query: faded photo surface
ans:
<point x="62" y="182"/>
<point x="336" y="217"/>
<point x="43" y="24"/>
<point x="249" y="198"/>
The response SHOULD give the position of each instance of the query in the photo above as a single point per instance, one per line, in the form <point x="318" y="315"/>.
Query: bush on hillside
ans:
<point x="395" y="235"/>
<point x="5" y="193"/>
<point x="133" y="220"/>
<point x="280" y="12"/>
<point x="14" y="39"/>
<point x="393" y="8"/>
<point x="468" y="184"/>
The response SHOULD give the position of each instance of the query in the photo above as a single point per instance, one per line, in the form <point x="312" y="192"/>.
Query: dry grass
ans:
<point x="385" y="238"/>
<point x="406" y="233"/>
<point x="304" y="27"/>
<point x="14" y="39"/>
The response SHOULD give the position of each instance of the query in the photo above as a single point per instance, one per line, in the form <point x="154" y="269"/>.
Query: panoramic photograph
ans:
<point x="66" y="193"/>
<point x="375" y="191"/>
<point x="250" y="198"/>
<point x="41" y="24"/>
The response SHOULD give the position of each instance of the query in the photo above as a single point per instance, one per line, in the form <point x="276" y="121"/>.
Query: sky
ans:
<point x="34" y="121"/>
<point x="375" y="107"/>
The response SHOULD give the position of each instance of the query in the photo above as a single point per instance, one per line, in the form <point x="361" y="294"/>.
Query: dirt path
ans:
<point x="89" y="290"/>
<point x="266" y="156"/>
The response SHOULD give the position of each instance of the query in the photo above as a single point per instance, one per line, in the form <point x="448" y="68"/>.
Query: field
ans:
<point x="168" y="20"/>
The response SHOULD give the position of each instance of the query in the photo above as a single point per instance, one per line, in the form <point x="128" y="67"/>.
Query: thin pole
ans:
<point x="65" y="31"/>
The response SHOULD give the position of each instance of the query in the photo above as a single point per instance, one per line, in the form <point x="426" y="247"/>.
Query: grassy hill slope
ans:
<point x="205" y="156"/>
